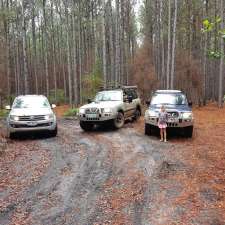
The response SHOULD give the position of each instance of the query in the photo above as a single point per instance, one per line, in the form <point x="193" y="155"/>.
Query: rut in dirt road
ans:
<point x="73" y="190"/>
<point x="105" y="177"/>
<point x="72" y="182"/>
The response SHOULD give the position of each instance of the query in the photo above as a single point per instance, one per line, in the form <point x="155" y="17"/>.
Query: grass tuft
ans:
<point x="71" y="112"/>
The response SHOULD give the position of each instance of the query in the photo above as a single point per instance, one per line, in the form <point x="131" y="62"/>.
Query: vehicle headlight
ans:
<point x="187" y="115"/>
<point x="81" y="111"/>
<point x="15" y="118"/>
<point x="107" y="110"/>
<point x="49" y="117"/>
<point x="153" y="114"/>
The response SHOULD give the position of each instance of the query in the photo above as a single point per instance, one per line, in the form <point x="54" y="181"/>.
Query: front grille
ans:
<point x="173" y="114"/>
<point x="153" y="119"/>
<point x="93" y="119"/>
<point x="27" y="126"/>
<point x="92" y="111"/>
<point x="31" y="118"/>
<point x="172" y="124"/>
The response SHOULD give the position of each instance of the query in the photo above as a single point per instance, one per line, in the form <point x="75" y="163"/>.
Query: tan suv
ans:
<point x="112" y="105"/>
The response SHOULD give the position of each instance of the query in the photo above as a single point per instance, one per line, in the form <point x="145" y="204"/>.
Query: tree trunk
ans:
<point x="205" y="64"/>
<point x="221" y="73"/>
<point x="162" y="45"/>
<point x="53" y="51"/>
<point x="104" y="44"/>
<point x="25" y="69"/>
<point x="75" y="77"/>
<point x="46" y="49"/>
<point x="118" y="55"/>
<point x="35" y="48"/>
<point x="173" y="47"/>
<point x="111" y="48"/>
<point x="169" y="47"/>
<point x="68" y="55"/>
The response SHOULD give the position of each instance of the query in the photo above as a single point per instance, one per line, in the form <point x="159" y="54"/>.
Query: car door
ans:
<point x="129" y="106"/>
<point x="136" y="100"/>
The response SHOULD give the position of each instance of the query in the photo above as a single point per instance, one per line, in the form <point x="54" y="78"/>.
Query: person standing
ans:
<point x="162" y="124"/>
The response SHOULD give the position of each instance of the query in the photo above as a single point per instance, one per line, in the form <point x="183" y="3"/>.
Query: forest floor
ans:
<point x="116" y="177"/>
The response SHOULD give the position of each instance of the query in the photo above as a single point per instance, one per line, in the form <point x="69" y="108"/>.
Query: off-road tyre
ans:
<point x="54" y="132"/>
<point x="12" y="135"/>
<point x="148" y="129"/>
<point x="137" y="114"/>
<point x="119" y="121"/>
<point x="189" y="131"/>
<point x="86" y="126"/>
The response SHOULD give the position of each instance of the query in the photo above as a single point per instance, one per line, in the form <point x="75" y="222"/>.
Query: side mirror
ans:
<point x="53" y="106"/>
<point x="147" y="103"/>
<point x="8" y="107"/>
<point x="89" y="101"/>
<point x="190" y="104"/>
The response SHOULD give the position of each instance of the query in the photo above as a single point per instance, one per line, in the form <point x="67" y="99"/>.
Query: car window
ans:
<point x="108" y="96"/>
<point x="20" y="103"/>
<point x="169" y="99"/>
<point x="131" y="92"/>
<point x="135" y="95"/>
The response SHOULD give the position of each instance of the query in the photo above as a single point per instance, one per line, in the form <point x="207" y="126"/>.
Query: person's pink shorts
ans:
<point x="162" y="126"/>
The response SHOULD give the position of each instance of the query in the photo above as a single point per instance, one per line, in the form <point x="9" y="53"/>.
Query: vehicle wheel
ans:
<point x="137" y="114"/>
<point x="119" y="121"/>
<point x="148" y="129"/>
<point x="12" y="135"/>
<point x="54" y="132"/>
<point x="189" y="131"/>
<point x="86" y="126"/>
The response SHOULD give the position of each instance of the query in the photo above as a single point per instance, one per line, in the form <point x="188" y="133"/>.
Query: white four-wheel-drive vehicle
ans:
<point x="179" y="111"/>
<point x="31" y="113"/>
<point x="113" y="106"/>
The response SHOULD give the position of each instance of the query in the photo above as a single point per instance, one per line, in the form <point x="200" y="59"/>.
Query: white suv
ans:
<point x="31" y="113"/>
<point x="114" y="106"/>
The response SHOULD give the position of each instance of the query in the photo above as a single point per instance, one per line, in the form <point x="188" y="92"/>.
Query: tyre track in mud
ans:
<point x="128" y="154"/>
<point x="74" y="190"/>
<point x="136" y="154"/>
<point x="72" y="182"/>
<point x="107" y="177"/>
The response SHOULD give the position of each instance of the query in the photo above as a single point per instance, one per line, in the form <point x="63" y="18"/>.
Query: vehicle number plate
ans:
<point x="171" y="120"/>
<point x="92" y="116"/>
<point x="32" y="124"/>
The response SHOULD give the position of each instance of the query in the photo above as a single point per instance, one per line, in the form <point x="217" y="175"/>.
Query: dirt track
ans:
<point x="111" y="177"/>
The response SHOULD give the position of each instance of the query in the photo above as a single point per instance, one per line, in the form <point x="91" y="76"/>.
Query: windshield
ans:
<point x="108" y="96"/>
<point x="20" y="103"/>
<point x="169" y="99"/>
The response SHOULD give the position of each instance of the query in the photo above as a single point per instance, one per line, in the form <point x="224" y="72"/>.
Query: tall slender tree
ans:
<point x="222" y="57"/>
<point x="169" y="47"/>
<point x="25" y="66"/>
<point x="172" y="73"/>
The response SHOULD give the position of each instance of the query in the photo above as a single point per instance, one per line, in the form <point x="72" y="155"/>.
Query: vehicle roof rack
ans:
<point x="129" y="87"/>
<point x="168" y="91"/>
<point x="31" y="95"/>
<point x="108" y="88"/>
